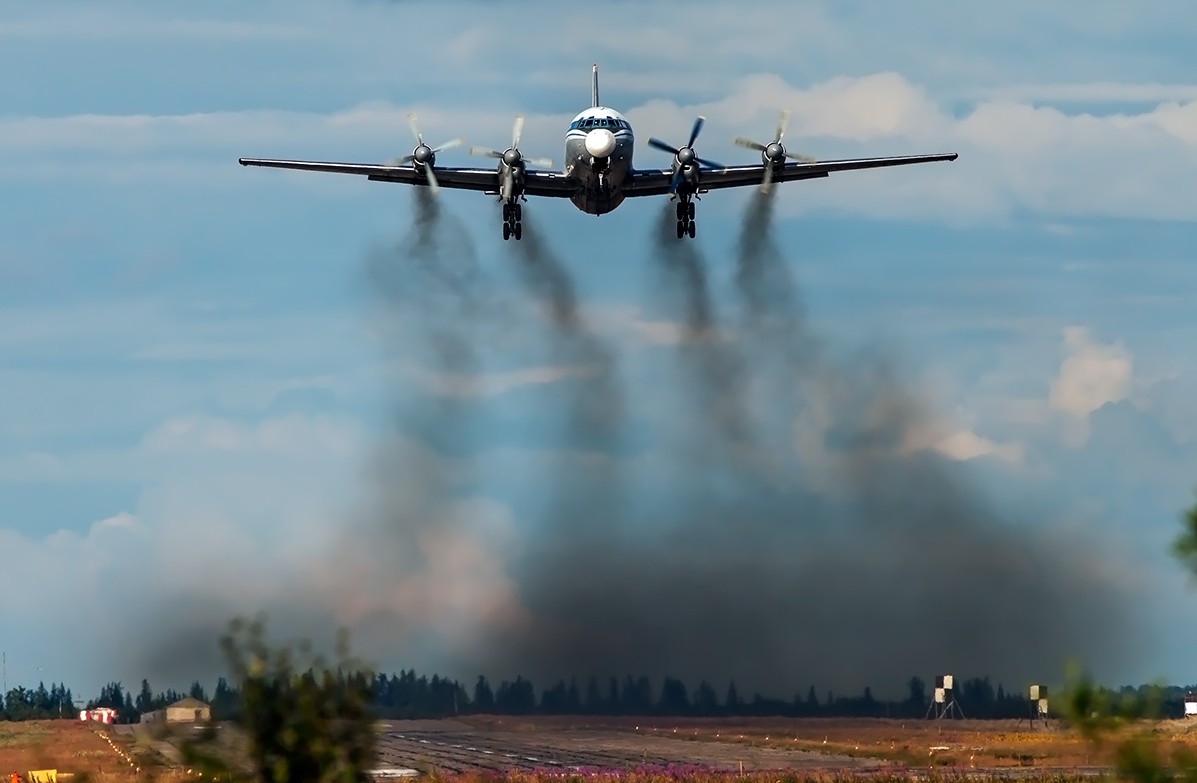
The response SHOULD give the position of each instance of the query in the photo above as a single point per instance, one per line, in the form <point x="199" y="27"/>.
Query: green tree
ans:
<point x="1099" y="716"/>
<point x="918" y="693"/>
<point x="484" y="697"/>
<point x="303" y="723"/>
<point x="145" y="698"/>
<point x="1184" y="547"/>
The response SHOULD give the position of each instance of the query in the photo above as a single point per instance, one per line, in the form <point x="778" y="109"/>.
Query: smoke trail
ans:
<point x="716" y="369"/>
<point x="435" y="312"/>
<point x="595" y="405"/>
<point x="860" y="557"/>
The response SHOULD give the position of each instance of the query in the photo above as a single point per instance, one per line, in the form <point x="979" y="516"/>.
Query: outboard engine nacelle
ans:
<point x="773" y="155"/>
<point x="423" y="157"/>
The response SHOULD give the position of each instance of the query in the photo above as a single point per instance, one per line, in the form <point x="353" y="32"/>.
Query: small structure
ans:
<point x="99" y="714"/>
<point x="1037" y="705"/>
<point x="186" y="710"/>
<point x="1190" y="705"/>
<point x="943" y="702"/>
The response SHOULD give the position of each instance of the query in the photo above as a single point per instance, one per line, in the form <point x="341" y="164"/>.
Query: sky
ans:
<point x="201" y="366"/>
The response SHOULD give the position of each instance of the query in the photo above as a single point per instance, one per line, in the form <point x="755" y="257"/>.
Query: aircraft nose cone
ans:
<point x="423" y="153"/>
<point x="600" y="142"/>
<point x="774" y="151"/>
<point x="511" y="157"/>
<point x="685" y="155"/>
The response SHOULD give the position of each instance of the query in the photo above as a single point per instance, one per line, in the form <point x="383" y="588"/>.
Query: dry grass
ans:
<point x="72" y="747"/>
<point x="946" y="747"/>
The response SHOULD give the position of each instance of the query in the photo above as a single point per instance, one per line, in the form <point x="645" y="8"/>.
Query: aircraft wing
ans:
<point x="655" y="182"/>
<point x="537" y="183"/>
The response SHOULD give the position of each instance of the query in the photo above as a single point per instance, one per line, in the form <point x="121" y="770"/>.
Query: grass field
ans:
<point x="70" y="746"/>
<point x="644" y="750"/>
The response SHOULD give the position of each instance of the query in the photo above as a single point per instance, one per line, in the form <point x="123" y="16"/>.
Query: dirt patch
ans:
<point x="592" y="749"/>
<point x="969" y="744"/>
<point x="836" y="746"/>
<point x="70" y="746"/>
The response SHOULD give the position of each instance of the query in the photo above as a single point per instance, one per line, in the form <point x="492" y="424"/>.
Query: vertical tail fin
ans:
<point x="594" y="86"/>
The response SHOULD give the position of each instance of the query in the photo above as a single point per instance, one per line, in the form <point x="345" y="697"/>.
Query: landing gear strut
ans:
<point x="685" y="217"/>
<point x="512" y="227"/>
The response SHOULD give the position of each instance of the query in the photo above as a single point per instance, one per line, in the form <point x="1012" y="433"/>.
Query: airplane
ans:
<point x="598" y="173"/>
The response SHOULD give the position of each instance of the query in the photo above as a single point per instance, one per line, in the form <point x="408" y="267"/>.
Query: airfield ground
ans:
<point x="855" y="747"/>
<point x="69" y="746"/>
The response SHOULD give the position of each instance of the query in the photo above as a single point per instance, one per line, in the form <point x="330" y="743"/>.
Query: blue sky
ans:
<point x="196" y="372"/>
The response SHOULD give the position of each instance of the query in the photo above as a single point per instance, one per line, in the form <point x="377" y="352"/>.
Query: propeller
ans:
<point x="685" y="155"/>
<point x="774" y="152"/>
<point x="512" y="158"/>
<point x="424" y="154"/>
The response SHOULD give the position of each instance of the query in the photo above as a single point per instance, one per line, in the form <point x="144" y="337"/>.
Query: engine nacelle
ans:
<point x="421" y="155"/>
<point x="600" y="142"/>
<point x="773" y="155"/>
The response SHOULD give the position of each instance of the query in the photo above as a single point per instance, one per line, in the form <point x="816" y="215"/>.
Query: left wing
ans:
<point x="537" y="183"/>
<point x="655" y="182"/>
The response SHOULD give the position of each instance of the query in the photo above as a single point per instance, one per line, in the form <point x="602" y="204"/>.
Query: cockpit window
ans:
<point x="599" y="122"/>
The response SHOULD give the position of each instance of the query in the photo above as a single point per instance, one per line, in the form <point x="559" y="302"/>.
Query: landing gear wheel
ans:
<point x="681" y="229"/>
<point x="517" y="212"/>
<point x="506" y="231"/>
<point x="690" y="210"/>
<point x="690" y="229"/>
<point x="681" y="211"/>
<point x="519" y="231"/>
<point x="506" y="212"/>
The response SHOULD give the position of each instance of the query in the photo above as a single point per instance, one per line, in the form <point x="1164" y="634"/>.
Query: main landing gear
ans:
<point x="685" y="218"/>
<point x="511" y="221"/>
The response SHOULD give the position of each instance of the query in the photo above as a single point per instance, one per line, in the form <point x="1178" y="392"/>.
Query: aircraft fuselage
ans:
<point x="598" y="155"/>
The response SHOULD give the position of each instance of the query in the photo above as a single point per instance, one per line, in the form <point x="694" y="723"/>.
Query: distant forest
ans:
<point x="408" y="695"/>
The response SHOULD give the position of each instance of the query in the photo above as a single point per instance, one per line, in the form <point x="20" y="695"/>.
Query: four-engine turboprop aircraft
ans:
<point x="598" y="173"/>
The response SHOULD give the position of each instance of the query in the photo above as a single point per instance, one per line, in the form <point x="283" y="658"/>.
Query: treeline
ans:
<point x="409" y="695"/>
<point x="38" y="703"/>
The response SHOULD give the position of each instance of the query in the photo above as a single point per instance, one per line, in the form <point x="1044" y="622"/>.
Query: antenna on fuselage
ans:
<point x="594" y="86"/>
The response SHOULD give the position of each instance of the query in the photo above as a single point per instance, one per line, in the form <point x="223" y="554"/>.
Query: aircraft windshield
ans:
<point x="589" y="123"/>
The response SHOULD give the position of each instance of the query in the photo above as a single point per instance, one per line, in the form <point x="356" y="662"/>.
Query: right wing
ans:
<point x="537" y="182"/>
<point x="655" y="182"/>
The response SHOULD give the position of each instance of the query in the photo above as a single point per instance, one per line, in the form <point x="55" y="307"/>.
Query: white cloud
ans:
<point x="964" y="444"/>
<point x="291" y="436"/>
<point x="496" y="383"/>
<point x="1014" y="155"/>
<point x="1091" y="375"/>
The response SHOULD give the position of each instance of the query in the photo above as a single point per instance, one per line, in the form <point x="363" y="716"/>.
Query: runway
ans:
<point x="457" y="747"/>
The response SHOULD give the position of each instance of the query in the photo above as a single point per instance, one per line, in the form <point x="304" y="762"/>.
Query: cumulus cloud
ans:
<point x="1091" y="375"/>
<point x="1015" y="155"/>
<point x="493" y="384"/>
